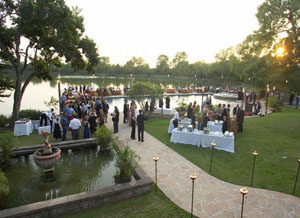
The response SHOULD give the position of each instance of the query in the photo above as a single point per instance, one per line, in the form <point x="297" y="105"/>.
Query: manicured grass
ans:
<point x="276" y="138"/>
<point x="154" y="204"/>
<point x="35" y="138"/>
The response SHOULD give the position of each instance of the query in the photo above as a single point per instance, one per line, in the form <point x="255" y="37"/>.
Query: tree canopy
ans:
<point x="42" y="34"/>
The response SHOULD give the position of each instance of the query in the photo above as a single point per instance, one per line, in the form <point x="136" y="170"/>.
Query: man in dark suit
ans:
<point x="140" y="122"/>
<point x="116" y="119"/>
<point x="168" y="102"/>
<point x="240" y="117"/>
<point x="125" y="111"/>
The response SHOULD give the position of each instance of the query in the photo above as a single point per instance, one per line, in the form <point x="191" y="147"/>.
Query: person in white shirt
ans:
<point x="51" y="116"/>
<point x="176" y="119"/>
<point x="75" y="126"/>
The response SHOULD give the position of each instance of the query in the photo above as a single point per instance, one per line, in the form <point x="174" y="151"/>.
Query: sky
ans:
<point x="201" y="28"/>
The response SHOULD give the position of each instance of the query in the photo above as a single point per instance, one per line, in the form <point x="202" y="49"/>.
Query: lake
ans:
<point x="37" y="92"/>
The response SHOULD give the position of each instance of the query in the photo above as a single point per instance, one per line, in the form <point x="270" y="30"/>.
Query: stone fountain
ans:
<point x="47" y="157"/>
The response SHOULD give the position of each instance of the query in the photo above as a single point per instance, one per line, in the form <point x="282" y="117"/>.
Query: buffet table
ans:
<point x="185" y="137"/>
<point x="185" y="124"/>
<point x="23" y="128"/>
<point x="163" y="111"/>
<point x="213" y="127"/>
<point x="198" y="138"/>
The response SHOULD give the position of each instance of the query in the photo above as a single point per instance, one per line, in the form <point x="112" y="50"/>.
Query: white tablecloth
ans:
<point x="214" y="127"/>
<point x="23" y="128"/>
<point x="46" y="128"/>
<point x="185" y="137"/>
<point x="164" y="111"/>
<point x="225" y="143"/>
<point x="184" y="123"/>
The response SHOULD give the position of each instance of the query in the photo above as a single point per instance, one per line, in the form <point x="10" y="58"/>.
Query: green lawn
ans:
<point x="276" y="138"/>
<point x="35" y="138"/>
<point x="152" y="205"/>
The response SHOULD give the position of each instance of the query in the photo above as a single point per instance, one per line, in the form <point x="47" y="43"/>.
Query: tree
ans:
<point x="162" y="65"/>
<point x="5" y="82"/>
<point x="42" y="34"/>
<point x="142" y="90"/>
<point x="180" y="64"/>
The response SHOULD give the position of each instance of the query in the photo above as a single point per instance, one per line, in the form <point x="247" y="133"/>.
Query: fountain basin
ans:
<point x="46" y="161"/>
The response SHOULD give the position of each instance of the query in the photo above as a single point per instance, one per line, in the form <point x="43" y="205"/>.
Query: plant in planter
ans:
<point x="4" y="188"/>
<point x="274" y="104"/>
<point x="182" y="107"/>
<point x="104" y="137"/>
<point x="125" y="161"/>
<point x="7" y="141"/>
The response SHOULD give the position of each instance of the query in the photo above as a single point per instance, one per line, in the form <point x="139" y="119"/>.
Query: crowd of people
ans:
<point x="80" y="109"/>
<point x="209" y="113"/>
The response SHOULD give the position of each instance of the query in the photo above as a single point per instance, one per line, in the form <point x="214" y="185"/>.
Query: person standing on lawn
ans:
<point x="140" y="122"/>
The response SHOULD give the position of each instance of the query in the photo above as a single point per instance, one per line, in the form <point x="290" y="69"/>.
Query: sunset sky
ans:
<point x="126" y="28"/>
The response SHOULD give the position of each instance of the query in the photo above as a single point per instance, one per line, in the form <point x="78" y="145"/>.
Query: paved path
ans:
<point x="213" y="197"/>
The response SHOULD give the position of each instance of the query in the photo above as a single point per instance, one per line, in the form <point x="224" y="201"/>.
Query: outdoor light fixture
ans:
<point x="58" y="86"/>
<point x="297" y="176"/>
<point x="193" y="178"/>
<point x="156" y="160"/>
<point x="255" y="154"/>
<point x="268" y="90"/>
<point x="213" y="144"/>
<point x="243" y="191"/>
<point x="286" y="81"/>
<point x="274" y="88"/>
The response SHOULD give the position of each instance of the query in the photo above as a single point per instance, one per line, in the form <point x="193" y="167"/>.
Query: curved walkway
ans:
<point x="213" y="197"/>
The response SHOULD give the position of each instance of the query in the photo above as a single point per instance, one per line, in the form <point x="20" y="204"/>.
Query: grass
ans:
<point x="154" y="204"/>
<point x="276" y="138"/>
<point x="35" y="138"/>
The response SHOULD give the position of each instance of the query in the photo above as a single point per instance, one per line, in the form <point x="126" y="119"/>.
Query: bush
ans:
<point x="104" y="137"/>
<point x="7" y="141"/>
<point x="30" y="113"/>
<point x="4" y="120"/>
<point x="4" y="188"/>
<point x="125" y="160"/>
<point x="182" y="107"/>
<point x="274" y="103"/>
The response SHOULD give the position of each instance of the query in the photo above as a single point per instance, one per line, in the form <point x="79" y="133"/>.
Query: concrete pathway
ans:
<point x="213" y="197"/>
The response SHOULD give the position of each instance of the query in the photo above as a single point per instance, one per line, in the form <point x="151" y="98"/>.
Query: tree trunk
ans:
<point x="17" y="100"/>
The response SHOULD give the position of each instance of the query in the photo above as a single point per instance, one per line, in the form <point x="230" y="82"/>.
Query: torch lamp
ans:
<point x="155" y="161"/>
<point x="58" y="86"/>
<point x="255" y="154"/>
<point x="297" y="176"/>
<point x="193" y="178"/>
<point x="213" y="144"/>
<point x="243" y="191"/>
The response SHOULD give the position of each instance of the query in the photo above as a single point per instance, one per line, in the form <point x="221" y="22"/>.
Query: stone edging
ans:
<point x="85" y="200"/>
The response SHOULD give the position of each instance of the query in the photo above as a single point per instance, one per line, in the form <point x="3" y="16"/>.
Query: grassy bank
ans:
<point x="275" y="138"/>
<point x="152" y="205"/>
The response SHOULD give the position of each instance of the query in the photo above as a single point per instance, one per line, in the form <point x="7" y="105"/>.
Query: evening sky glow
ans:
<point x="126" y="28"/>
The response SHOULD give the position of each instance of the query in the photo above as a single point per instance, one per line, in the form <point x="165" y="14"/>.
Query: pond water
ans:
<point x="76" y="171"/>
<point x="38" y="92"/>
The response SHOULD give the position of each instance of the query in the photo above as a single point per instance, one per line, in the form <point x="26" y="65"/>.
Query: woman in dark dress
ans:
<point x="57" y="127"/>
<point x="133" y="123"/>
<point x="86" y="126"/>
<point x="225" y="125"/>
<point x="93" y="124"/>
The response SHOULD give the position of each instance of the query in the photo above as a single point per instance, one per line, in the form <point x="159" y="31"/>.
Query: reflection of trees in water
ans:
<point x="76" y="172"/>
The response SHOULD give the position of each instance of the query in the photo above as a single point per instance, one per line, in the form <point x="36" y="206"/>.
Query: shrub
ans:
<point x="125" y="160"/>
<point x="274" y="103"/>
<point x="182" y="107"/>
<point x="30" y="113"/>
<point x="104" y="137"/>
<point x="7" y="141"/>
<point x="4" y="188"/>
<point x="4" y="120"/>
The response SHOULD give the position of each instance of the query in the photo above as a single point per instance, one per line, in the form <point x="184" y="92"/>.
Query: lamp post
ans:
<point x="195" y="82"/>
<point x="93" y="81"/>
<point x="156" y="160"/>
<point x="286" y="82"/>
<point x="213" y="144"/>
<point x="255" y="154"/>
<point x="297" y="176"/>
<point x="268" y="89"/>
<point x="193" y="178"/>
<point x="243" y="98"/>
<point x="58" y="85"/>
<point x="243" y="191"/>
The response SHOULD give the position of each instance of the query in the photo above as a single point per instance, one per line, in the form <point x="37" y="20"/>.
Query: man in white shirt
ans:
<point x="176" y="119"/>
<point x="51" y="117"/>
<point x="75" y="126"/>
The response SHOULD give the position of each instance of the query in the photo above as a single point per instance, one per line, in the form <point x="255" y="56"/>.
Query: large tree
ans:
<point x="5" y="82"/>
<point x="162" y="65"/>
<point x="42" y="34"/>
